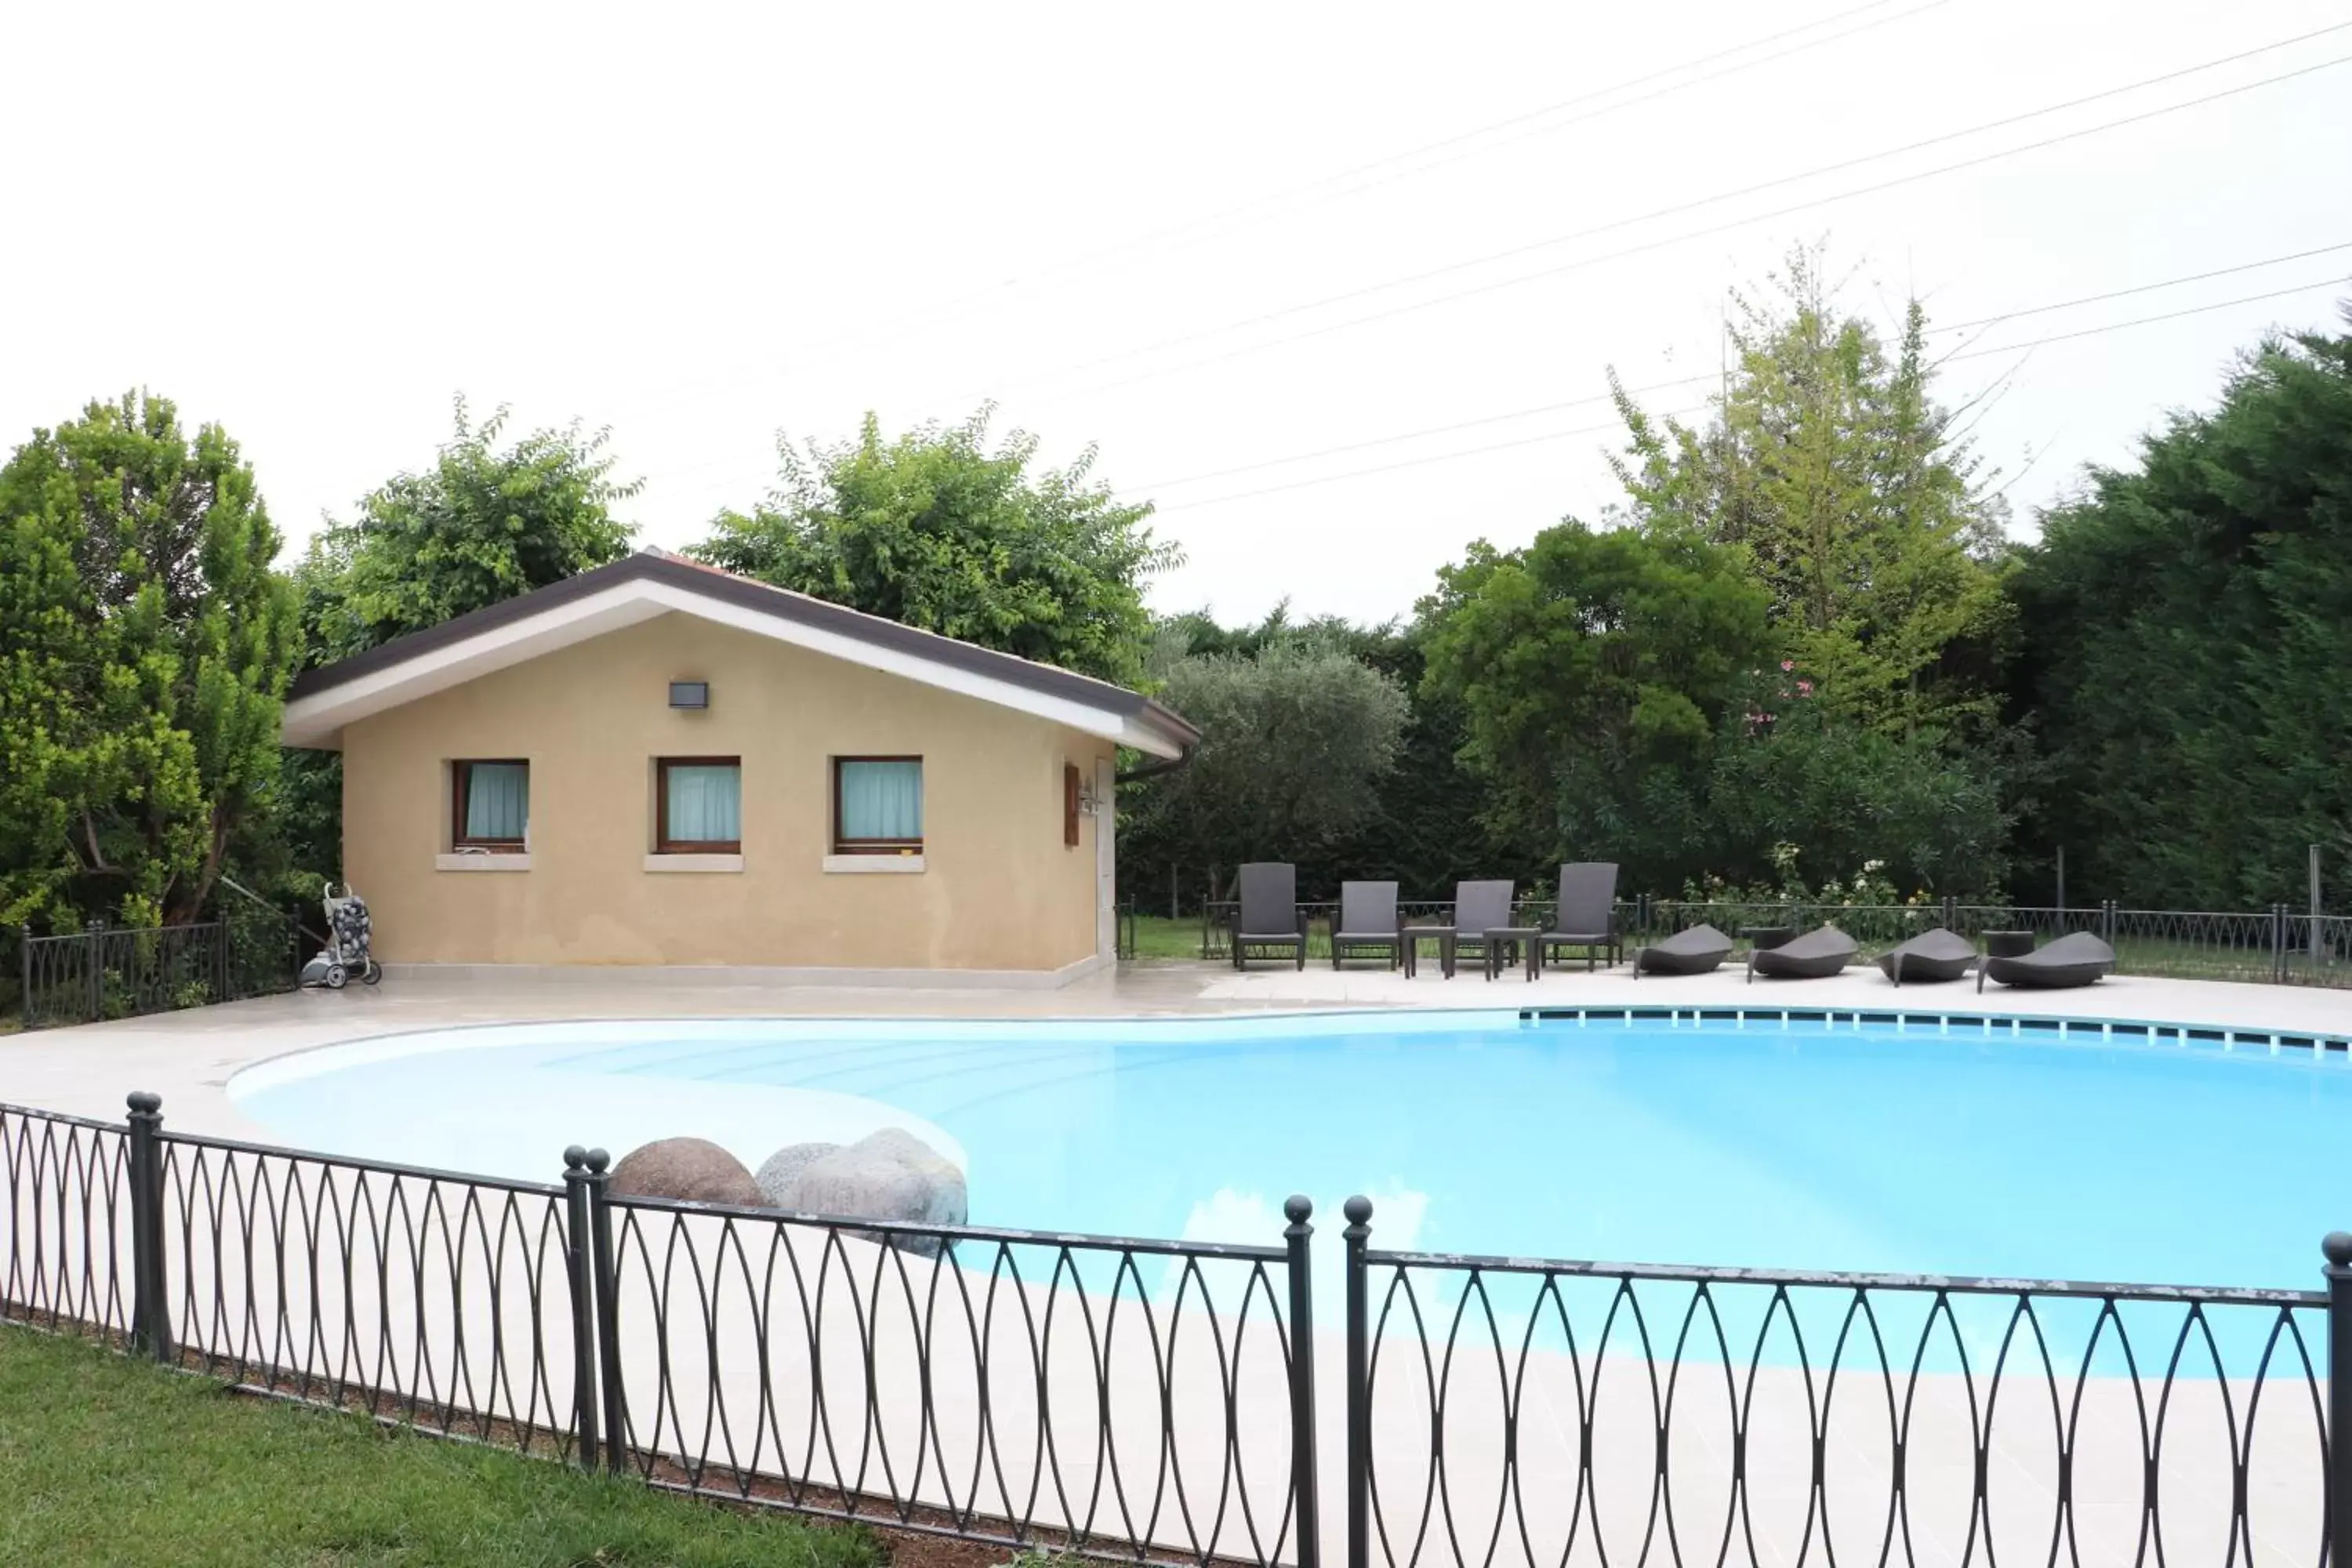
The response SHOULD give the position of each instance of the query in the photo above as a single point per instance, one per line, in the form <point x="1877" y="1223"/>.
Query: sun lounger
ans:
<point x="1813" y="955"/>
<point x="1937" y="955"/>
<point x="2076" y="960"/>
<point x="1692" y="952"/>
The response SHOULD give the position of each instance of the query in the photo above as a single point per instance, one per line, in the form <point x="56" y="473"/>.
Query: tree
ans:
<point x="2185" y="647"/>
<point x="145" y="645"/>
<point x="484" y="523"/>
<point x="1593" y="670"/>
<point x="481" y="525"/>
<point x="937" y="530"/>
<point x="1296" y="741"/>
<point x="1829" y="462"/>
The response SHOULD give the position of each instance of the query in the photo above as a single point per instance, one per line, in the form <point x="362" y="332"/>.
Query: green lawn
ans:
<point x="1157" y="936"/>
<point x="105" y="1459"/>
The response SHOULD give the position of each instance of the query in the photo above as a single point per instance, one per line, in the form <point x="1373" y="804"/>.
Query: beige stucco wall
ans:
<point x="998" y="891"/>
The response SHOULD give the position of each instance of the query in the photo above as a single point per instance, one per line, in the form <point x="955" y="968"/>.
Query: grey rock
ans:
<point x="780" y="1173"/>
<point x="889" y="1175"/>
<point x="693" y="1170"/>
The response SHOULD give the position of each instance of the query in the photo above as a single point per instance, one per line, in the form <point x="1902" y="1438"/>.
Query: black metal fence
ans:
<point x="2275" y="945"/>
<point x="81" y="977"/>
<point x="1157" y="1401"/>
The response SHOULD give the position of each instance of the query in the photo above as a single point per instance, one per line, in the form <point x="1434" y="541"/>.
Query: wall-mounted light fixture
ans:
<point x="689" y="694"/>
<point x="1088" y="802"/>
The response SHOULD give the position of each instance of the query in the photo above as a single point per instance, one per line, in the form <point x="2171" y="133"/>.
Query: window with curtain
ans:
<point x="699" y="808"/>
<point x="877" y="805"/>
<point x="493" y="804"/>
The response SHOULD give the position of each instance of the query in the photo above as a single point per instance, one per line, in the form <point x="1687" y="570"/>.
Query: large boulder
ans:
<point x="693" y="1170"/>
<point x="780" y="1173"/>
<point x="891" y="1174"/>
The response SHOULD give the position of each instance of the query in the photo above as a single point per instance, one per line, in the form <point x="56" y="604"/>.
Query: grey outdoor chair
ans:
<point x="2076" y="960"/>
<point x="1368" y="922"/>
<point x="1479" y="907"/>
<point x="1814" y="955"/>
<point x="1587" y="914"/>
<point x="1270" y="920"/>
<point x="1692" y="951"/>
<point x="1937" y="955"/>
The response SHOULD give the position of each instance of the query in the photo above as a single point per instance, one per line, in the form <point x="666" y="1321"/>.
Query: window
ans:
<point x="699" y="805"/>
<point x="877" y="805"/>
<point x="491" y="805"/>
<point x="1072" y="790"/>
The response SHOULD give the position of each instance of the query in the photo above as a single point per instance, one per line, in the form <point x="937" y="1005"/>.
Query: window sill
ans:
<point x="694" y="862"/>
<point x="873" y="865"/>
<point x="485" y="862"/>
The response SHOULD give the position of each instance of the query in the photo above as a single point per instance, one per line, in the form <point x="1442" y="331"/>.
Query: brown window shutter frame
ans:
<point x="1070" y="804"/>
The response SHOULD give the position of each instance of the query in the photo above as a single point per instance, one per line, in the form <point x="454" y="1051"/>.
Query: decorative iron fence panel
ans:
<point x="67" y="1256"/>
<point x="1155" y="1401"/>
<point x="82" y="977"/>
<point x="2273" y="945"/>
<point x="439" y="1299"/>
<point x="1508" y="1411"/>
<point x="1145" y="1400"/>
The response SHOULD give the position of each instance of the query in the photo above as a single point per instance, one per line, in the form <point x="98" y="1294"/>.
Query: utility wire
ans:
<point x="1319" y="190"/>
<point x="1517" y="279"/>
<point x="1676" y="413"/>
<point x="1696" y="380"/>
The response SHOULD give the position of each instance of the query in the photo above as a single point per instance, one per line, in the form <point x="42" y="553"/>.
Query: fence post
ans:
<point x="294" y="927"/>
<point x="2337" y="1249"/>
<point x="579" y="1268"/>
<point x="25" y="973"/>
<point x="2278" y="944"/>
<point x="1358" y="1236"/>
<point x="608" y="1308"/>
<point x="1297" y="1209"/>
<point x="151" y="1312"/>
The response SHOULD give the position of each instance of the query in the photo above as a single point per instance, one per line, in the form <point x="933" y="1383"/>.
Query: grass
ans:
<point x="1157" y="936"/>
<point x="106" y="1459"/>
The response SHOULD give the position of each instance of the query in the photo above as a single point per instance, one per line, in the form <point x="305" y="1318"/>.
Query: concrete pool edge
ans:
<point x="190" y="1057"/>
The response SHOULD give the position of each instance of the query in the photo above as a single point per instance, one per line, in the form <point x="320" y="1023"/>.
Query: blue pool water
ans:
<point x="1802" y="1146"/>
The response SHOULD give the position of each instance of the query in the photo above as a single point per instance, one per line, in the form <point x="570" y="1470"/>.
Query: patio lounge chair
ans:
<point x="1479" y="907"/>
<point x="1270" y="919"/>
<point x="1692" y="952"/>
<point x="1937" y="955"/>
<point x="1587" y="915"/>
<point x="1814" y="955"/>
<point x="2076" y="960"/>
<point x="1368" y="922"/>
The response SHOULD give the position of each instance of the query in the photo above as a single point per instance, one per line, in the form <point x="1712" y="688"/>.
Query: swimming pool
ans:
<point x="1827" y="1142"/>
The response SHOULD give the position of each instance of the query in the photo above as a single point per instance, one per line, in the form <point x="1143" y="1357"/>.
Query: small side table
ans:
<point x="1764" y="938"/>
<point x="1415" y="936"/>
<point x="1521" y="940"/>
<point x="2007" y="943"/>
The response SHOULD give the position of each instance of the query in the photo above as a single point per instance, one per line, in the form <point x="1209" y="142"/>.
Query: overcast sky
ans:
<point x="1208" y="238"/>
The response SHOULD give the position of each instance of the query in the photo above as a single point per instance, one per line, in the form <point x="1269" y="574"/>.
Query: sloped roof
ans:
<point x="654" y="583"/>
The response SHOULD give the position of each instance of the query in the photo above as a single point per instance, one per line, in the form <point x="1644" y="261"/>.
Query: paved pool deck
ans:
<point x="188" y="1057"/>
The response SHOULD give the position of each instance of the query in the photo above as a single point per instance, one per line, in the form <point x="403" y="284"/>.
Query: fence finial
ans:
<point x="1298" y="1209"/>
<point x="598" y="1160"/>
<point x="2336" y="1248"/>
<point x="144" y="1102"/>
<point x="1358" y="1210"/>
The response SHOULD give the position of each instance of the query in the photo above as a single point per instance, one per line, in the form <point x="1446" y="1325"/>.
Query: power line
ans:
<point x="1318" y="191"/>
<point x="2143" y="288"/>
<point x="1514" y="281"/>
<point x="2336" y="283"/>
<point x="1695" y="380"/>
<point x="1676" y="413"/>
